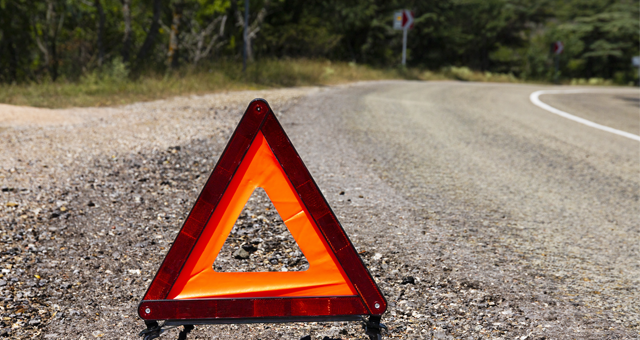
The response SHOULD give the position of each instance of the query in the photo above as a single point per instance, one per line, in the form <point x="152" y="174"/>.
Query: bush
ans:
<point x="465" y="74"/>
<point x="591" y="81"/>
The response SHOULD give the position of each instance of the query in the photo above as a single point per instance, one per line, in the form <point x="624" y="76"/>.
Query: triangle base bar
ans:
<point x="251" y="308"/>
<point x="372" y="326"/>
<point x="337" y="318"/>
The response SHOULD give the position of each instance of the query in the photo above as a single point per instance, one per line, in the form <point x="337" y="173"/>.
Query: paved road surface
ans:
<point x="531" y="202"/>
<point x="479" y="214"/>
<point x="612" y="108"/>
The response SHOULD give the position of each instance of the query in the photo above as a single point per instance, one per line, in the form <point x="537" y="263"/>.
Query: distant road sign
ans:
<point x="397" y="20"/>
<point x="403" y="19"/>
<point x="636" y="61"/>
<point x="558" y="47"/>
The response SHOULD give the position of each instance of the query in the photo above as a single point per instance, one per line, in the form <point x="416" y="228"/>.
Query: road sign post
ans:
<point x="404" y="47"/>
<point x="557" y="48"/>
<point x="635" y="61"/>
<point x="403" y="20"/>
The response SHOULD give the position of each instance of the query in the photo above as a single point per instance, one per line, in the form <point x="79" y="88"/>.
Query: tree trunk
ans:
<point x="43" y="48"/>
<point x="484" y="55"/>
<point x="46" y="38"/>
<point x="126" y="41"/>
<point x="101" y="20"/>
<point x="53" y="27"/>
<point x="249" y="50"/>
<point x="174" y="37"/>
<point x="150" y="40"/>
<point x="200" y="54"/>
<point x="13" y="60"/>
<point x="254" y="27"/>
<point x="54" y="58"/>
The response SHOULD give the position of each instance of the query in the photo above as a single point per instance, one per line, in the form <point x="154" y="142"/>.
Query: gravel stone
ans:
<point x="408" y="280"/>
<point x="259" y="241"/>
<point x="241" y="254"/>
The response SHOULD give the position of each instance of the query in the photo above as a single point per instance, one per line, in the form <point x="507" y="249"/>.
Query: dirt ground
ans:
<point x="21" y="116"/>
<point x="92" y="199"/>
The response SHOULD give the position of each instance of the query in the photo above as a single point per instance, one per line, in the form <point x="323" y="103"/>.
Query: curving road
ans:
<point x="473" y="183"/>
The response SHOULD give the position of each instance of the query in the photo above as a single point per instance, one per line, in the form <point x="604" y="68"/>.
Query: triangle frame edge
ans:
<point x="208" y="199"/>
<point x="323" y="215"/>
<point x="319" y="210"/>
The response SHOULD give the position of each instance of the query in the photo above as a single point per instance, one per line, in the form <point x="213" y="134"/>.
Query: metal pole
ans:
<point x="404" y="46"/>
<point x="245" y="35"/>
<point x="556" y="75"/>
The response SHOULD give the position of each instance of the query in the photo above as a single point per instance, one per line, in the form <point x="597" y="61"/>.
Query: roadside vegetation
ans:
<point x="114" y="85"/>
<point x="60" y="53"/>
<point x="78" y="41"/>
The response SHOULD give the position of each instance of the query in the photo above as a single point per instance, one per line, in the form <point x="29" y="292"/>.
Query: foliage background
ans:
<point x="48" y="40"/>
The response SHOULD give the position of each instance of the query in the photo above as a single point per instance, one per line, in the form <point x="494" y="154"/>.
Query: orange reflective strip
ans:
<point x="260" y="168"/>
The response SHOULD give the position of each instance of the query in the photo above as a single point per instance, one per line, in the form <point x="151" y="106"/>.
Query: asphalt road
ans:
<point x="479" y="214"/>
<point x="513" y="196"/>
<point x="612" y="108"/>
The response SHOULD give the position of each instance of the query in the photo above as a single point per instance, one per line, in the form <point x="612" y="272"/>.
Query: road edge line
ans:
<point x="535" y="99"/>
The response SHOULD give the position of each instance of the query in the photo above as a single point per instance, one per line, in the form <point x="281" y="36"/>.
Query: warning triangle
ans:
<point x="335" y="286"/>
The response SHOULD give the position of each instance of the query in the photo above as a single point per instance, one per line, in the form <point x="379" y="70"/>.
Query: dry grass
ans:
<point x="114" y="86"/>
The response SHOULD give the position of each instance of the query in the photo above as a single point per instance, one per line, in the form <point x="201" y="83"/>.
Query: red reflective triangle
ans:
<point x="337" y="284"/>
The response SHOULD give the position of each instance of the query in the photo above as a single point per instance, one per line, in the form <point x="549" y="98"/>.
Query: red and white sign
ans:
<point x="403" y="20"/>
<point x="558" y="47"/>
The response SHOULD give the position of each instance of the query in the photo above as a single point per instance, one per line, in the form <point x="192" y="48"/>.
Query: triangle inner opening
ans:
<point x="260" y="241"/>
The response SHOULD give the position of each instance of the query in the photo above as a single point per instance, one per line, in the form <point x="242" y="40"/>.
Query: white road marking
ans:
<point x="535" y="99"/>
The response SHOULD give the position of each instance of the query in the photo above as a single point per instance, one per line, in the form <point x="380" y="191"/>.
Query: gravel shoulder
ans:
<point x="480" y="218"/>
<point x="91" y="204"/>
<point x="21" y="116"/>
